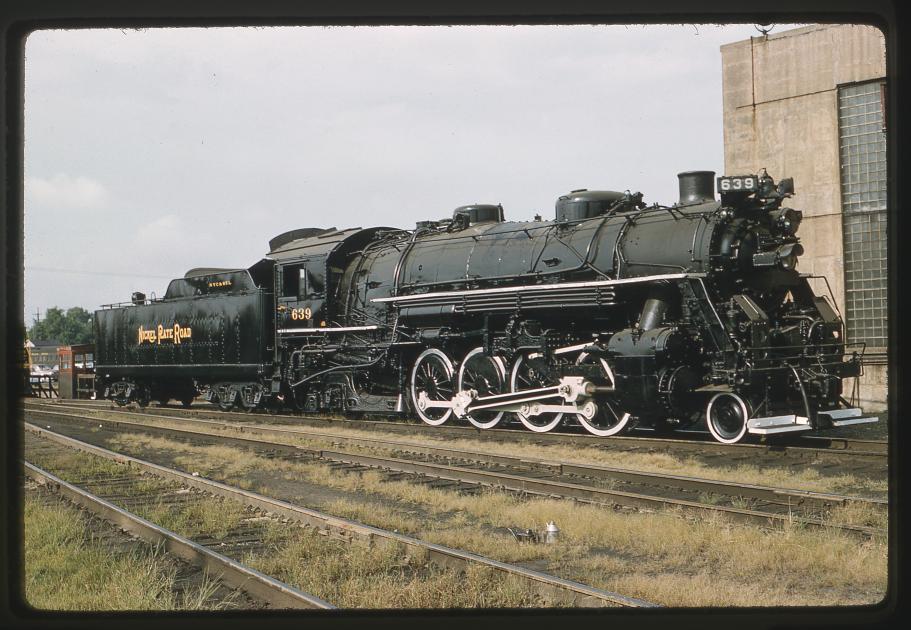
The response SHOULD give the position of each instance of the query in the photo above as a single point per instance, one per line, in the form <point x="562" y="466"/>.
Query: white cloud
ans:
<point x="65" y="192"/>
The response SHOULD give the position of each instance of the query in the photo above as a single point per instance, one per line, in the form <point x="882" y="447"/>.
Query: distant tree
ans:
<point x="68" y="327"/>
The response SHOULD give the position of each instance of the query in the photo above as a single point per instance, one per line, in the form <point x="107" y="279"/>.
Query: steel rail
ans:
<point x="549" y="587"/>
<point x="835" y="443"/>
<point x="828" y="447"/>
<point x="788" y="496"/>
<point x="521" y="484"/>
<point x="261" y="586"/>
<point x="550" y="488"/>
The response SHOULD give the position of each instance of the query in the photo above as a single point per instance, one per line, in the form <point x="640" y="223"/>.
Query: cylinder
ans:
<point x="696" y="186"/>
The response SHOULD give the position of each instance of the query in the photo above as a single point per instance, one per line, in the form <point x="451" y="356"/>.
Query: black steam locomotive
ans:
<point x="613" y="314"/>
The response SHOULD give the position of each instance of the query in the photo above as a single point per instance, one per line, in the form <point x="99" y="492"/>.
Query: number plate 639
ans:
<point x="729" y="184"/>
<point x="301" y="313"/>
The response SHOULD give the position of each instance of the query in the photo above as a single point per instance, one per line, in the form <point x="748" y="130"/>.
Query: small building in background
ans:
<point x="77" y="371"/>
<point x="44" y="353"/>
<point x="41" y="362"/>
<point x="809" y="103"/>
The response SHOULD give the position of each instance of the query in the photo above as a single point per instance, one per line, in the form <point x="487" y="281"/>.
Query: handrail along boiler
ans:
<point x="615" y="313"/>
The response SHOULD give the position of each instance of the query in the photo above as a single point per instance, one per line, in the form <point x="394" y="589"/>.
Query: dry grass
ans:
<point x="804" y="478"/>
<point x="67" y="568"/>
<point x="358" y="576"/>
<point x="859" y="514"/>
<point x="386" y="517"/>
<point x="636" y="553"/>
<point x="212" y="516"/>
<point x="348" y="575"/>
<point x="77" y="464"/>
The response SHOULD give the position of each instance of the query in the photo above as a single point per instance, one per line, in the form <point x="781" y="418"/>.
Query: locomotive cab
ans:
<point x="302" y="296"/>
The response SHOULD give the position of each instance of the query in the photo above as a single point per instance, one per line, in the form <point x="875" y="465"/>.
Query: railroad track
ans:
<point x="697" y="442"/>
<point x="596" y="484"/>
<point x="273" y="592"/>
<point x="549" y="588"/>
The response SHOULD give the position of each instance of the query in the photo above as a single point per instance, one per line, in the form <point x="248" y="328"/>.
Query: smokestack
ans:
<point x="696" y="186"/>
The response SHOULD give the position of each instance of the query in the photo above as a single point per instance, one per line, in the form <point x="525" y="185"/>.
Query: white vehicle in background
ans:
<point x="42" y="370"/>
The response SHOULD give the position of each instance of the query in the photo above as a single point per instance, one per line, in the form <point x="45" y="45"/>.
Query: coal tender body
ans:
<point x="213" y="329"/>
<point x="612" y="315"/>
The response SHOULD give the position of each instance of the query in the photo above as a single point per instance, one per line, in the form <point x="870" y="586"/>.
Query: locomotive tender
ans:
<point x="613" y="314"/>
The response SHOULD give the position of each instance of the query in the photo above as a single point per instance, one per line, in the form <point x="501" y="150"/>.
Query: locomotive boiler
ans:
<point x="611" y="315"/>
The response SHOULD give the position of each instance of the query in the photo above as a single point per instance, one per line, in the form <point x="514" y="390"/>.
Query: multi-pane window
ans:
<point x="862" y="147"/>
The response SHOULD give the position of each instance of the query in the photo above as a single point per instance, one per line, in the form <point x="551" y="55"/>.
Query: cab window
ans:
<point x="298" y="282"/>
<point x="294" y="279"/>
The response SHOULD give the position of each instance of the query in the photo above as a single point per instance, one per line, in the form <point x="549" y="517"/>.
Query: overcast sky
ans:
<point x="151" y="152"/>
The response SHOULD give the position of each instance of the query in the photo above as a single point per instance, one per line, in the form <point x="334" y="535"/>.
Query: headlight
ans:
<point x="786" y="220"/>
<point x="787" y="255"/>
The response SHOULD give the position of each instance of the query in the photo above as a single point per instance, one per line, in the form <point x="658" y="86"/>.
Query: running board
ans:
<point x="778" y="424"/>
<point x="844" y="423"/>
<point x="843" y="418"/>
<point x="825" y="420"/>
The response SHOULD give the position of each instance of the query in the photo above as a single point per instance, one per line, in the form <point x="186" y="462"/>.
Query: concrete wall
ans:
<point x="780" y="104"/>
<point x="874" y="388"/>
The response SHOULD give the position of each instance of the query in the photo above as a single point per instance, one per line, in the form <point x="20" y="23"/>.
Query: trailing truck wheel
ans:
<point x="726" y="417"/>
<point x="487" y="376"/>
<point x="531" y="372"/>
<point x="432" y="376"/>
